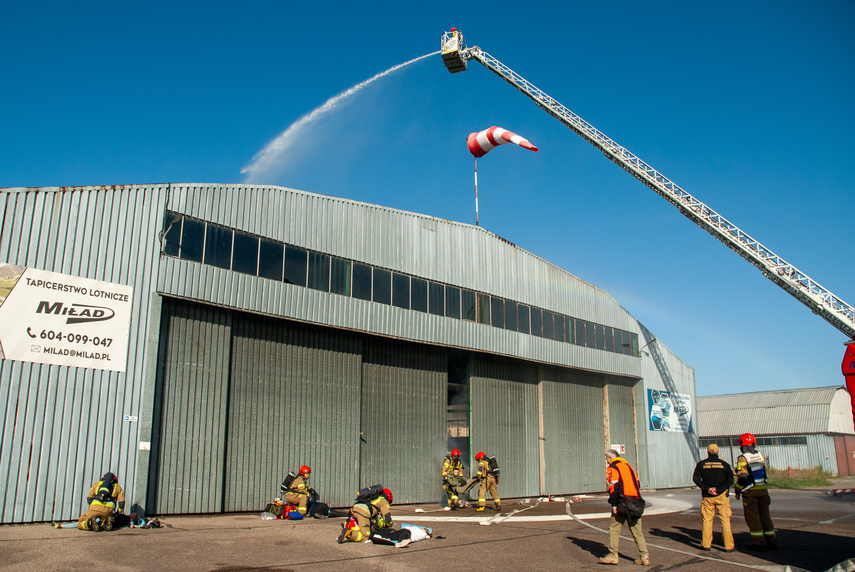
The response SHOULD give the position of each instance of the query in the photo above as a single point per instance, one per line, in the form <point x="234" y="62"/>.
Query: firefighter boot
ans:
<point x="479" y="509"/>
<point x="610" y="558"/>
<point x="642" y="561"/>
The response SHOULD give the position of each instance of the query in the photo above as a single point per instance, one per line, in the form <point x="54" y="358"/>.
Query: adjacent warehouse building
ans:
<point x="798" y="428"/>
<point x="267" y="328"/>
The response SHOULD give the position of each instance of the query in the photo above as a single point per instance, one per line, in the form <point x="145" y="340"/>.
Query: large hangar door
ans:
<point x="622" y="419"/>
<point x="188" y="443"/>
<point x="294" y="401"/>
<point x="573" y="427"/>
<point x="504" y="421"/>
<point x="404" y="393"/>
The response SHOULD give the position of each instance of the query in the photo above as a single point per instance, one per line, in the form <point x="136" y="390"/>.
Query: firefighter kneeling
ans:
<point x="105" y="497"/>
<point x="370" y="513"/>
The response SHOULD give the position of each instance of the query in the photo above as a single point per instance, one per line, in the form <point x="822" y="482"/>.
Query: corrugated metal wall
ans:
<point x="503" y="422"/>
<point x="818" y="452"/>
<point x="574" y="431"/>
<point x="404" y="392"/>
<point x="621" y="418"/>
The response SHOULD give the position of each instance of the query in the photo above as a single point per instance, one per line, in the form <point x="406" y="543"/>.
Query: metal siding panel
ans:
<point x="622" y="418"/>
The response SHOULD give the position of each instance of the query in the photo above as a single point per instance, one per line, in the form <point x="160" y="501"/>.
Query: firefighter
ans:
<point x="299" y="492"/>
<point x="452" y="462"/>
<point x="105" y="497"/>
<point x="751" y="486"/>
<point x="370" y="513"/>
<point x="488" y="474"/>
<point x="452" y="482"/>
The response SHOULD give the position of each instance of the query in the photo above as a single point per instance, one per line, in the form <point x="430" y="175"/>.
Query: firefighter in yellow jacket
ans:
<point x="489" y="477"/>
<point x="371" y="512"/>
<point x="751" y="486"/>
<point x="452" y="462"/>
<point x="299" y="492"/>
<point x="105" y="497"/>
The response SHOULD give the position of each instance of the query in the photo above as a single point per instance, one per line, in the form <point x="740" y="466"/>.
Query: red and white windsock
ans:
<point x="483" y="142"/>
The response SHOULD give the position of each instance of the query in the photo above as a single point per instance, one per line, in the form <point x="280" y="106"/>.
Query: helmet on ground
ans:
<point x="480" y="456"/>
<point x="388" y="494"/>
<point x="747" y="440"/>
<point x="455" y="453"/>
<point x="305" y="470"/>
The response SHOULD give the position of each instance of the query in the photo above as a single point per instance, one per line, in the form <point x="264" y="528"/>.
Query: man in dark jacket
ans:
<point x="714" y="477"/>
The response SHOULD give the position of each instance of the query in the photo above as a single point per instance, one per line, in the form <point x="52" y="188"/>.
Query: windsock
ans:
<point x="482" y="142"/>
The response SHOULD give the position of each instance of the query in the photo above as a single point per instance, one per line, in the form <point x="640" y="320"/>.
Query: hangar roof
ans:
<point x="785" y="412"/>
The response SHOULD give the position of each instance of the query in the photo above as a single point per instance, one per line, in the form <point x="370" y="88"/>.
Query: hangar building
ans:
<point x="271" y="328"/>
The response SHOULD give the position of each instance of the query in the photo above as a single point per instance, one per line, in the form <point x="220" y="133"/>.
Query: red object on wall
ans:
<point x="848" y="369"/>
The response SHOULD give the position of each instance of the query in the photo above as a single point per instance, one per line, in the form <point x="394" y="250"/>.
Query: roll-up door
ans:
<point x="188" y="443"/>
<point x="294" y="400"/>
<point x="622" y="419"/>
<point x="573" y="431"/>
<point x="403" y="418"/>
<point x="504" y="423"/>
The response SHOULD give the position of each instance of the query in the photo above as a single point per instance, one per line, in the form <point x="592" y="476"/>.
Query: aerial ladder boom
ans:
<point x="455" y="55"/>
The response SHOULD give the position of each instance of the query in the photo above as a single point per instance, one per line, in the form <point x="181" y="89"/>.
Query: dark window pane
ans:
<point x="245" y="256"/>
<point x="171" y="240"/>
<point x="497" y="312"/>
<point x="340" y="276"/>
<point x="610" y="342"/>
<point x="270" y="259"/>
<point x="361" y="281"/>
<point x="625" y="342"/>
<point x="419" y="294"/>
<point x="467" y="300"/>
<point x="590" y="337"/>
<point x="382" y="286"/>
<point x="483" y="311"/>
<point x="570" y="330"/>
<point x="548" y="322"/>
<point x="452" y="302"/>
<point x="400" y="290"/>
<point x="523" y="321"/>
<point x="558" y="328"/>
<point x="580" y="339"/>
<point x="295" y="266"/>
<point x="319" y="271"/>
<point x="218" y="246"/>
<point x="634" y="344"/>
<point x="510" y="315"/>
<point x="436" y="299"/>
<point x="192" y="239"/>
<point x="601" y="337"/>
<point x="536" y="322"/>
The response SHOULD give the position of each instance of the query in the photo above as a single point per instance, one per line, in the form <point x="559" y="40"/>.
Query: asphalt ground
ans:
<point x="816" y="532"/>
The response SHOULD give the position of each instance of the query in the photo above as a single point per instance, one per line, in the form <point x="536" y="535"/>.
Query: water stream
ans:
<point x="273" y="153"/>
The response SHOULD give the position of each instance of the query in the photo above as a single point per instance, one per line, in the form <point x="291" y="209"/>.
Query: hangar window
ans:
<point x="436" y="299"/>
<point x="467" y="301"/>
<point x="361" y="281"/>
<point x="319" y="272"/>
<point x="610" y="339"/>
<point x="580" y="333"/>
<point x="452" y="302"/>
<point x="400" y="290"/>
<point x="295" y="266"/>
<point x="781" y="441"/>
<point x="483" y="308"/>
<point x="510" y="315"/>
<point x="419" y="292"/>
<point x="570" y="330"/>
<point x="558" y="328"/>
<point x="537" y="322"/>
<point x="245" y="255"/>
<point x="523" y="319"/>
<point x="171" y="237"/>
<point x="340" y="276"/>
<point x="548" y="322"/>
<point x="497" y="312"/>
<point x="382" y="286"/>
<point x="270" y="257"/>
<point x="192" y="239"/>
<point x="218" y="246"/>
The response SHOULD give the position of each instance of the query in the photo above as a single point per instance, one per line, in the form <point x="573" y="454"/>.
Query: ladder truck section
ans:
<point x="455" y="55"/>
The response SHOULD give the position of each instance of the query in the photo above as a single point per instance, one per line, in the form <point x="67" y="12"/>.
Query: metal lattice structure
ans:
<point x="820" y="300"/>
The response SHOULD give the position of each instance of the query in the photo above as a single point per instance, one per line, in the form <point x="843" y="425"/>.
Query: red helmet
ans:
<point x="305" y="470"/>
<point x="455" y="453"/>
<point x="388" y="494"/>
<point x="747" y="440"/>
<point x="480" y="456"/>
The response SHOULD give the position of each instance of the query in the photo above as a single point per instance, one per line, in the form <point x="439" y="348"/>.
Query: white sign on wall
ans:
<point x="53" y="318"/>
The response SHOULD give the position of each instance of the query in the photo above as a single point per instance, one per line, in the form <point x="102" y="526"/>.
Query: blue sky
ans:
<point x="745" y="105"/>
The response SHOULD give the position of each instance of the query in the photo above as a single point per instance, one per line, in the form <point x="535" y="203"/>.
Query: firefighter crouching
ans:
<point x="371" y="512"/>
<point x="452" y="462"/>
<point x="105" y="497"/>
<point x="751" y="485"/>
<point x="488" y="474"/>
<point x="299" y="492"/>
